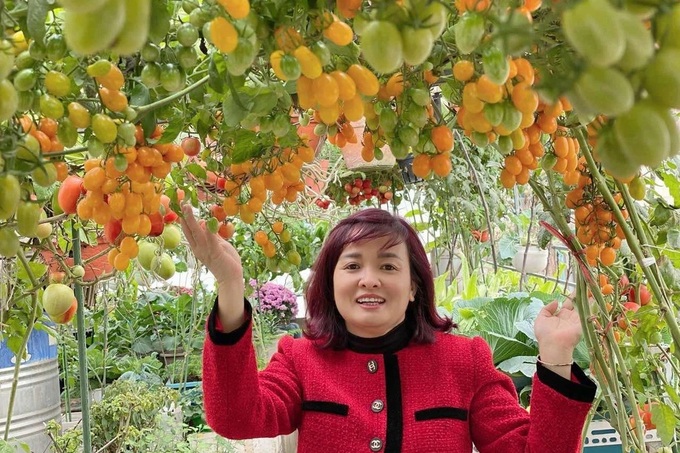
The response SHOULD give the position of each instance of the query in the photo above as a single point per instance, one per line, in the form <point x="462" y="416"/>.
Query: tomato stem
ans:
<point x="143" y="109"/>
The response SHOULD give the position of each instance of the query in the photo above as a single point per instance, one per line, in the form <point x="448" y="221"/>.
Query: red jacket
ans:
<point x="427" y="398"/>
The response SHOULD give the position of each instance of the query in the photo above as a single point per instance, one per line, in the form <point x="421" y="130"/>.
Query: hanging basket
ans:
<point x="351" y="153"/>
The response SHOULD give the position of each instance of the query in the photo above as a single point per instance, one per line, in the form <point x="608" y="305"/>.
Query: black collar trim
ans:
<point x="393" y="341"/>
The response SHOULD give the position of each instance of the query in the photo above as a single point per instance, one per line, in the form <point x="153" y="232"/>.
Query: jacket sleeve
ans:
<point x="558" y="410"/>
<point x="239" y="401"/>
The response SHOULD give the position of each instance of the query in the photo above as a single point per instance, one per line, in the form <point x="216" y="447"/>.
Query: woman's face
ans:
<point x="372" y="286"/>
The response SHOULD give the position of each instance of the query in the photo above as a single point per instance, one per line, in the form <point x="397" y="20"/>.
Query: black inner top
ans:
<point x="394" y="340"/>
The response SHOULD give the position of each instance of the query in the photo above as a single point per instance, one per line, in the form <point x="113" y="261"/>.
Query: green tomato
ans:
<point x="46" y="175"/>
<point x="480" y="139"/>
<point x="290" y="67"/>
<point x="469" y="31"/>
<point x="85" y="32"/>
<point x="639" y="43"/>
<point x="104" y="128"/>
<point x="609" y="152"/>
<point x="388" y="119"/>
<point x="99" y="68"/>
<point x="605" y="91"/>
<point x="25" y="79"/>
<point x="382" y="46"/>
<point x="127" y="131"/>
<point x="494" y="113"/>
<point x="55" y="47"/>
<point x="642" y="134"/>
<point x="151" y="75"/>
<point x="504" y="144"/>
<point x="9" y="242"/>
<point x="198" y="17"/>
<point x="151" y="52"/>
<point x="662" y="78"/>
<point x="322" y="52"/>
<point x="408" y="135"/>
<point x="120" y="162"/>
<point x="399" y="149"/>
<point x="187" y="34"/>
<point x="10" y="195"/>
<point x="189" y="6"/>
<point x="51" y="107"/>
<point x="27" y="217"/>
<point x="187" y="57"/>
<point x="593" y="28"/>
<point x="668" y="28"/>
<point x="417" y="44"/>
<point x="241" y="59"/>
<point x="6" y="58"/>
<point x="512" y="117"/>
<point x="436" y="17"/>
<point x="172" y="78"/>
<point x="24" y="60"/>
<point x="637" y="188"/>
<point x="67" y="132"/>
<point x="495" y="65"/>
<point x="9" y="100"/>
<point x="420" y="96"/>
<point x="26" y="99"/>
<point x="416" y="115"/>
<point x="37" y="51"/>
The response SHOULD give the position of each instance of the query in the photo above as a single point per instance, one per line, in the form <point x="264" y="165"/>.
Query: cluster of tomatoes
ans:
<point x="629" y="70"/>
<point x="499" y="107"/>
<point x="596" y="226"/>
<point x="124" y="191"/>
<point x="283" y="236"/>
<point x="359" y="190"/>
<point x="563" y="158"/>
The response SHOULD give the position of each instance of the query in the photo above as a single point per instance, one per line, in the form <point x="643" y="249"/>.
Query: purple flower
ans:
<point x="277" y="300"/>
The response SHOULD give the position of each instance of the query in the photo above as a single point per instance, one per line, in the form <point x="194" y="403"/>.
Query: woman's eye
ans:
<point x="352" y="266"/>
<point x="389" y="267"/>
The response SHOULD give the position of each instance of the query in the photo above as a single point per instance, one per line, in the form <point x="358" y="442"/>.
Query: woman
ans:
<point x="376" y="371"/>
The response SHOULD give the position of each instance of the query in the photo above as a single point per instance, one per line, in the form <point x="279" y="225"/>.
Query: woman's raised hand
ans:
<point x="218" y="255"/>
<point x="558" y="331"/>
<point x="224" y="262"/>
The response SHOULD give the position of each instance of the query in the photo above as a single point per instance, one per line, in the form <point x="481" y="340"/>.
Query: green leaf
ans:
<point x="264" y="103"/>
<point x="37" y="269"/>
<point x="35" y="21"/>
<point x="673" y="238"/>
<point x="664" y="419"/>
<point x="160" y="21"/>
<point x="247" y="146"/>
<point x="181" y="267"/>
<point x="671" y="181"/>
<point x="14" y="344"/>
<point x="197" y="171"/>
<point x="139" y="95"/>
<point x="216" y="71"/>
<point x="174" y="127"/>
<point x="235" y="107"/>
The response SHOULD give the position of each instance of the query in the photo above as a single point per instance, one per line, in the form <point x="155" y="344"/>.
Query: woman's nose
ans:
<point x="369" y="279"/>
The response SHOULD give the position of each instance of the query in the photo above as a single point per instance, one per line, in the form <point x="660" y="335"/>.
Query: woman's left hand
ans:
<point x="558" y="331"/>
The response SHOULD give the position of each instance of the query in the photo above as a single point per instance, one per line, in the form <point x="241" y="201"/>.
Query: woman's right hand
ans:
<point x="223" y="261"/>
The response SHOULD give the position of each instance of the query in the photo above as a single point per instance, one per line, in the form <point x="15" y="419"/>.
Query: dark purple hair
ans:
<point x="324" y="322"/>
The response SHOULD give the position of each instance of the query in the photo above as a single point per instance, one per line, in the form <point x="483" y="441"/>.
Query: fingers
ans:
<point x="551" y="307"/>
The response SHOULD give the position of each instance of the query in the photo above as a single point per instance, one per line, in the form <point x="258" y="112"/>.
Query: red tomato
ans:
<point x="157" y="224"/>
<point x="112" y="231"/>
<point x="191" y="146"/>
<point x="69" y="193"/>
